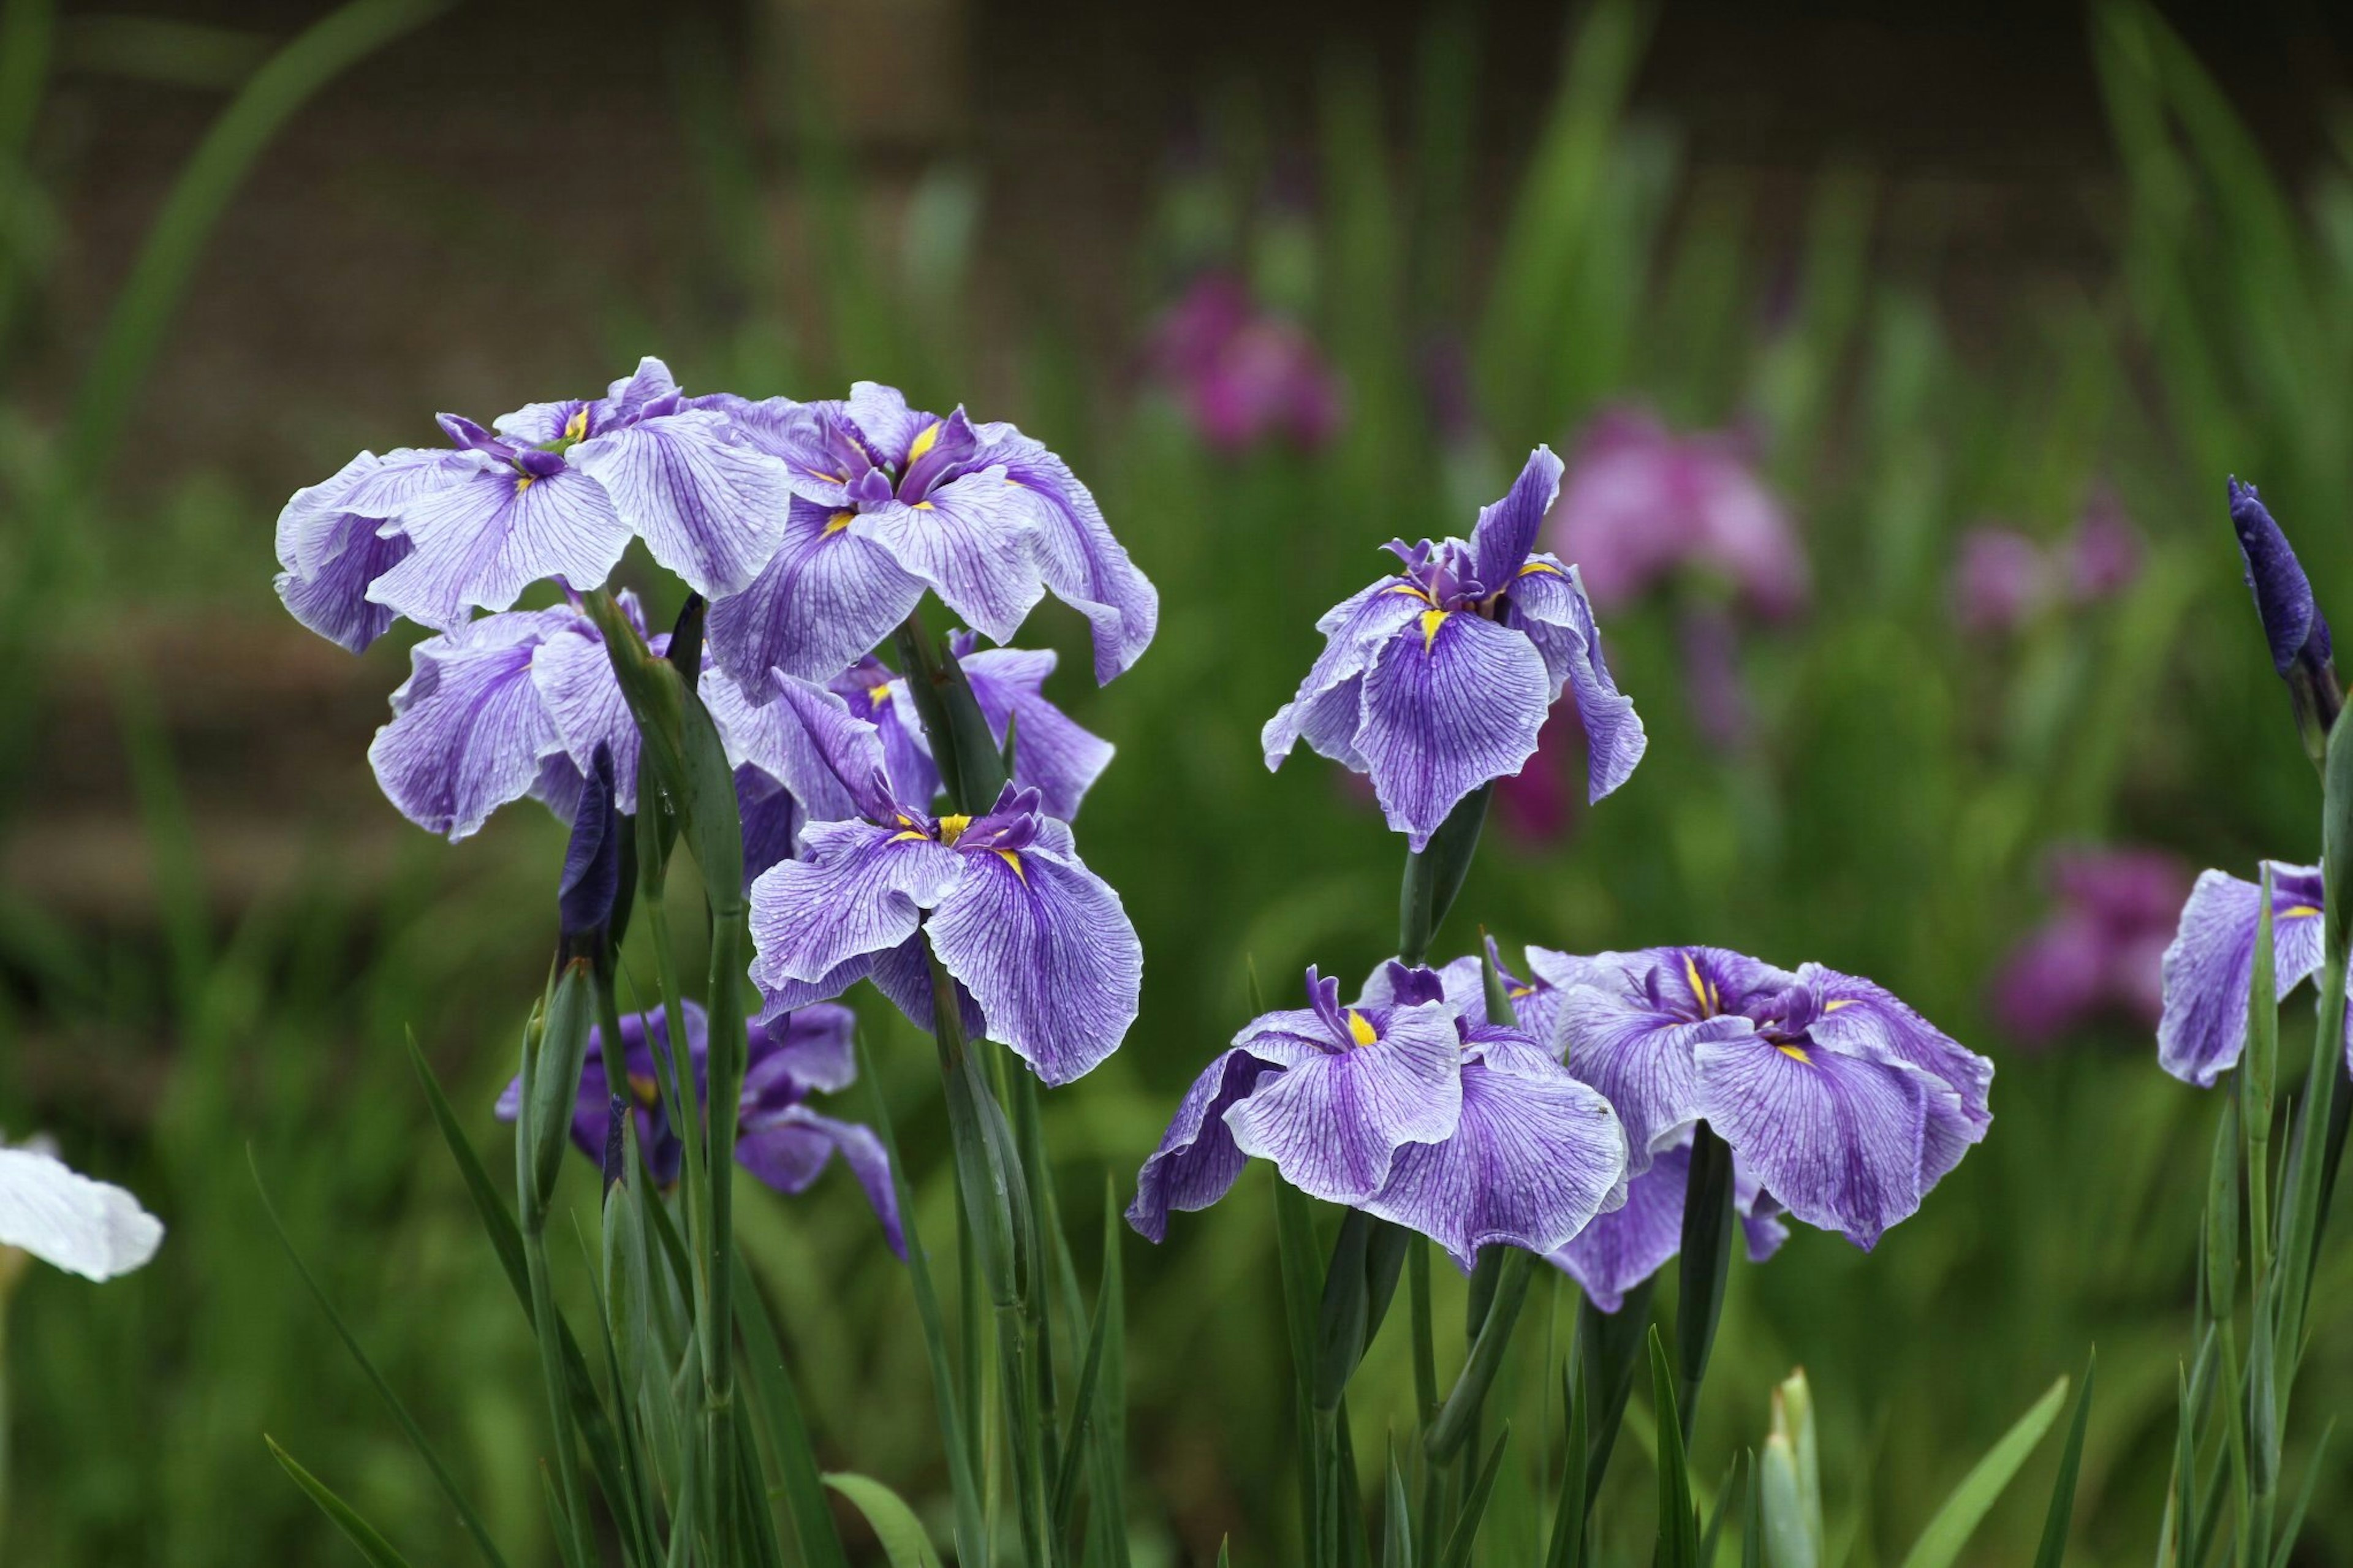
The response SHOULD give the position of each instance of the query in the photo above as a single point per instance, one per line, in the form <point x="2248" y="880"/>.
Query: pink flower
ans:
<point x="1243" y="373"/>
<point x="1641" y="503"/>
<point x="2100" y="950"/>
<point x="2003" y="579"/>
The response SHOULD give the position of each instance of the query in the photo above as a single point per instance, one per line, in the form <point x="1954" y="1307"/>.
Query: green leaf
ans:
<point x="415" y="1434"/>
<point x="1678" y="1525"/>
<point x="1568" y="1514"/>
<point x="1083" y="1412"/>
<point x="1710" y="1537"/>
<point x="1948" y="1530"/>
<point x="1609" y="1349"/>
<point x="2302" y="1499"/>
<point x="1461" y="1412"/>
<point x="2061" y="1517"/>
<point x="788" y="1438"/>
<point x="1752" y="1519"/>
<point x="896" y="1524"/>
<point x="1397" y="1521"/>
<point x="1703" y="1265"/>
<point x="1458" y="1545"/>
<point x="359" y="1531"/>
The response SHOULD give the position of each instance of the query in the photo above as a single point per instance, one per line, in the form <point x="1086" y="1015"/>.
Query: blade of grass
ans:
<point x="789" y="1437"/>
<point x="1460" y="1544"/>
<point x="1949" y="1528"/>
<point x="357" y="1530"/>
<point x="2060" y="1518"/>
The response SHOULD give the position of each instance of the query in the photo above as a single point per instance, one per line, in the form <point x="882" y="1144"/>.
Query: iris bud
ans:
<point x="2293" y="623"/>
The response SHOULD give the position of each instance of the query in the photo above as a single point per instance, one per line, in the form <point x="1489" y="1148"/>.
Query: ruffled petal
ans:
<point x="92" y="1228"/>
<point x="1328" y="708"/>
<point x="333" y="541"/>
<point x="1628" y="1244"/>
<point x="1197" y="1160"/>
<point x="861" y="890"/>
<point x="881" y="415"/>
<point x="971" y="542"/>
<point x="1861" y="1018"/>
<point x="1052" y="754"/>
<point x="1451" y="704"/>
<point x="810" y="742"/>
<point x="468" y="728"/>
<point x="1506" y="531"/>
<point x="828" y="596"/>
<point x="789" y="1148"/>
<point x="484" y="539"/>
<point x="710" y="506"/>
<point x="2210" y="968"/>
<point x="1045" y="947"/>
<point x="812" y="1050"/>
<point x="1534" y="1157"/>
<point x="1333" y="1121"/>
<point x="1087" y="567"/>
<point x="1548" y="602"/>
<point x="583" y="698"/>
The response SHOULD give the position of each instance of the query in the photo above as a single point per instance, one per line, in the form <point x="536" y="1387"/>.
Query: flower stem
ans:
<point x="1706" y="1261"/>
<point x="1434" y="876"/>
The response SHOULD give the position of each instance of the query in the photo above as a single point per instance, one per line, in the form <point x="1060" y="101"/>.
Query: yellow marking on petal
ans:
<point x="923" y="506"/>
<point x="909" y="834"/>
<point x="879" y="695"/>
<point x="1701" y="993"/>
<point x="1430" y="621"/>
<point x="1517" y="992"/>
<point x="1841" y="1001"/>
<point x="1795" y="1053"/>
<point x="1534" y="566"/>
<point x="952" y="828"/>
<point x="523" y="482"/>
<point x="2299" y="912"/>
<point x="577" y="428"/>
<point x="1014" y="860"/>
<point x="1361" y="1029"/>
<point x="644" y="1089"/>
<point x="925" y="442"/>
<point x="840" y="521"/>
<point x="1415" y="589"/>
<point x="904" y="820"/>
<point x="829" y="478"/>
<point x="1014" y="482"/>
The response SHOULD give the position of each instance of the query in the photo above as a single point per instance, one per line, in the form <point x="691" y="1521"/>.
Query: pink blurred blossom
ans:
<point x="2100" y="951"/>
<point x="1243" y="373"/>
<point x="2002" y="579"/>
<point x="1641" y="503"/>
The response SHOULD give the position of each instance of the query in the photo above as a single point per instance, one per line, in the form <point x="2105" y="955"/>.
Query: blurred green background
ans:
<point x="1928" y="272"/>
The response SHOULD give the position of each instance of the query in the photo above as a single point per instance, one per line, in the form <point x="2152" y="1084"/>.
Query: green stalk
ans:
<point x="530" y="1195"/>
<point x="1434" y="876"/>
<point x="1704" y="1263"/>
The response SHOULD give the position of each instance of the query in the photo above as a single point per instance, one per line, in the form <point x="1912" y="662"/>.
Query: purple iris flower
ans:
<point x="2101" y="949"/>
<point x="1536" y="1001"/>
<point x="1436" y="680"/>
<point x="1627" y="1244"/>
<point x="1052" y="754"/>
<point x="1403" y="1106"/>
<point x="557" y="490"/>
<point x="779" y="1139"/>
<point x="887" y="503"/>
<point x="2209" y="970"/>
<point x="1843" y="1102"/>
<point x="1038" y="944"/>
<point x="510" y="705"/>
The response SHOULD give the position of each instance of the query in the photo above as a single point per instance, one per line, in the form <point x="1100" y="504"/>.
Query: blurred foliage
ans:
<point x="1888" y="817"/>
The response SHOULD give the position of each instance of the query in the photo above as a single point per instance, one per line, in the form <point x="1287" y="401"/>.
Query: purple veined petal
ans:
<point x="1329" y="705"/>
<point x="861" y="890"/>
<point x="1045" y="947"/>
<point x="882" y="417"/>
<point x="468" y="729"/>
<point x="903" y="975"/>
<point x="875" y="693"/>
<point x="538" y="423"/>
<point x="788" y="1149"/>
<point x="560" y="786"/>
<point x="1083" y="563"/>
<point x="333" y="544"/>
<point x="1197" y="1161"/>
<point x="812" y="1050"/>
<point x="1333" y="1121"/>
<point x="940" y="451"/>
<point x="1052" y="754"/>
<point x="1548" y="601"/>
<point x="1861" y="1018"/>
<point x="822" y="457"/>
<point x="780" y="997"/>
<point x="628" y="399"/>
<point x="1835" y="1138"/>
<point x="1459" y="983"/>
<point x="1642" y="1059"/>
<point x="1506" y="531"/>
<point x="1628" y="1244"/>
<point x="486" y="538"/>
<point x="1453" y="703"/>
<point x="2209" y="969"/>
<point x="970" y="543"/>
<point x="1534" y="1157"/>
<point x="807" y="740"/>
<point x="583" y="698"/>
<point x="771" y="818"/>
<point x="710" y="507"/>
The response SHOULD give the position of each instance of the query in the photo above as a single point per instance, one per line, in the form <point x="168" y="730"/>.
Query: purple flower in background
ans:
<point x="1244" y="374"/>
<point x="1404" y="1107"/>
<point x="1052" y="754"/>
<point x="779" y="1139"/>
<point x="1840" y="1100"/>
<point x="1628" y="1244"/>
<point x="1643" y="503"/>
<point x="888" y="502"/>
<point x="2209" y="970"/>
<point x="510" y="705"/>
<point x="2103" y="946"/>
<point x="1436" y="680"/>
<point x="2104" y="554"/>
<point x="2001" y="582"/>
<point x="1038" y="944"/>
<point x="556" y="491"/>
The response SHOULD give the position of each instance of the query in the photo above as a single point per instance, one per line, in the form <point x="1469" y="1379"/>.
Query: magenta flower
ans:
<point x="1642" y="504"/>
<point x="1244" y="374"/>
<point x="2004" y="579"/>
<point x="2102" y="949"/>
